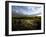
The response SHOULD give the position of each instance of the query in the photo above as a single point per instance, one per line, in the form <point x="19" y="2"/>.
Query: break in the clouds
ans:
<point x="26" y="10"/>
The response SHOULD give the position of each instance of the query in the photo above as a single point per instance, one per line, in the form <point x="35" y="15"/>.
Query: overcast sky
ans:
<point x="26" y="10"/>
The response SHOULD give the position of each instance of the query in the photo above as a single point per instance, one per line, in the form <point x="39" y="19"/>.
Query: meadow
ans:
<point x="26" y="23"/>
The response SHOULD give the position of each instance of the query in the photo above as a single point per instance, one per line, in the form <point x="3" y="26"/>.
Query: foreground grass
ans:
<point x="26" y="23"/>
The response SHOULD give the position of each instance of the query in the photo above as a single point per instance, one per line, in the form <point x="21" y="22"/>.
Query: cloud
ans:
<point x="26" y="10"/>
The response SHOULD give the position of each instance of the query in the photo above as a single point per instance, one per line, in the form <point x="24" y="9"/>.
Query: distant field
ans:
<point x="25" y="17"/>
<point x="26" y="23"/>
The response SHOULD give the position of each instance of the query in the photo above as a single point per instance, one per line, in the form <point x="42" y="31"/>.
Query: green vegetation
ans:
<point x="26" y="23"/>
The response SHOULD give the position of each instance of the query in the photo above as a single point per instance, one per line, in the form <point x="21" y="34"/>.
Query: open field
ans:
<point x="26" y="23"/>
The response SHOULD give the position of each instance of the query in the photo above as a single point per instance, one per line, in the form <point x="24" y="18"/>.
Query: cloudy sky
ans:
<point x="26" y="10"/>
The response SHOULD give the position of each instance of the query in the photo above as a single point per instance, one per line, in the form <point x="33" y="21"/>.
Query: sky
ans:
<point x="26" y="10"/>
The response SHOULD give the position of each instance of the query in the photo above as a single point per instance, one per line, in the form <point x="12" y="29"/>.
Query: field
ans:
<point x="26" y="23"/>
